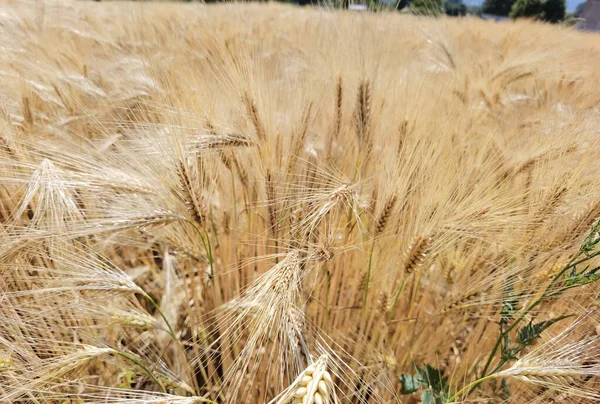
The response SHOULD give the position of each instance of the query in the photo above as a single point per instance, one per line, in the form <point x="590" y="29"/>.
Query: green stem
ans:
<point x="573" y="262"/>
<point x="157" y="307"/>
<point x="368" y="281"/>
<point x="135" y="360"/>
<point x="396" y="298"/>
<point x="207" y="246"/>
<point x="170" y="328"/>
<point x="547" y="292"/>
<point x="214" y="228"/>
<point x="470" y="386"/>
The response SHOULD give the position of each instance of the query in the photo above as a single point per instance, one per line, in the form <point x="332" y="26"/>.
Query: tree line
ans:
<point x="544" y="10"/>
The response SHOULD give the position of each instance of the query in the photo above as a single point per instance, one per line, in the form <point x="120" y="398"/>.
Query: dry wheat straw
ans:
<point x="103" y="167"/>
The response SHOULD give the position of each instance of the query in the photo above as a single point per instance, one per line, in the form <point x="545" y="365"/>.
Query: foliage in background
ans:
<point x="554" y="10"/>
<point x="455" y="8"/>
<point x="527" y="9"/>
<point x="544" y="10"/>
<point x="497" y="7"/>
<point x="427" y="7"/>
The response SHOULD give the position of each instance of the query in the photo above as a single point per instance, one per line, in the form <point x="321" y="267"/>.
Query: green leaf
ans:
<point x="427" y="397"/>
<point x="529" y="333"/>
<point x="433" y="378"/>
<point x="583" y="277"/>
<point x="510" y="354"/>
<point x="408" y="383"/>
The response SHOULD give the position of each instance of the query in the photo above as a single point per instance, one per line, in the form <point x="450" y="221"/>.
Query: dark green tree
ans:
<point x="401" y="4"/>
<point x="455" y="8"/>
<point x="497" y="7"/>
<point x="527" y="9"/>
<point x="554" y="10"/>
<point x="545" y="10"/>
<point x="427" y="7"/>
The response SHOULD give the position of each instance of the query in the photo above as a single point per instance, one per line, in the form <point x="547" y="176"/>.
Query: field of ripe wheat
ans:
<point x="271" y="204"/>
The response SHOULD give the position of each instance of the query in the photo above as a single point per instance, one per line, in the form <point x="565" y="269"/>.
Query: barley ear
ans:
<point x="191" y="197"/>
<point x="252" y="112"/>
<point x="385" y="214"/>
<point x="416" y="253"/>
<point x="362" y="112"/>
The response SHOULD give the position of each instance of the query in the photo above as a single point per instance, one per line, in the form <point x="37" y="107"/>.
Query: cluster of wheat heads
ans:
<point x="251" y="204"/>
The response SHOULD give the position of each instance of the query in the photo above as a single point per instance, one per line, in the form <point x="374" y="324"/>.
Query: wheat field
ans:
<point x="259" y="203"/>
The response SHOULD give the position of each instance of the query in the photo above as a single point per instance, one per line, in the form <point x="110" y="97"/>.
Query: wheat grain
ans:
<point x="385" y="214"/>
<point x="191" y="197"/>
<point x="416" y="253"/>
<point x="362" y="113"/>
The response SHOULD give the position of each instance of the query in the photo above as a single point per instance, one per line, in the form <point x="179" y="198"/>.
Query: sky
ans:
<point x="571" y="4"/>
